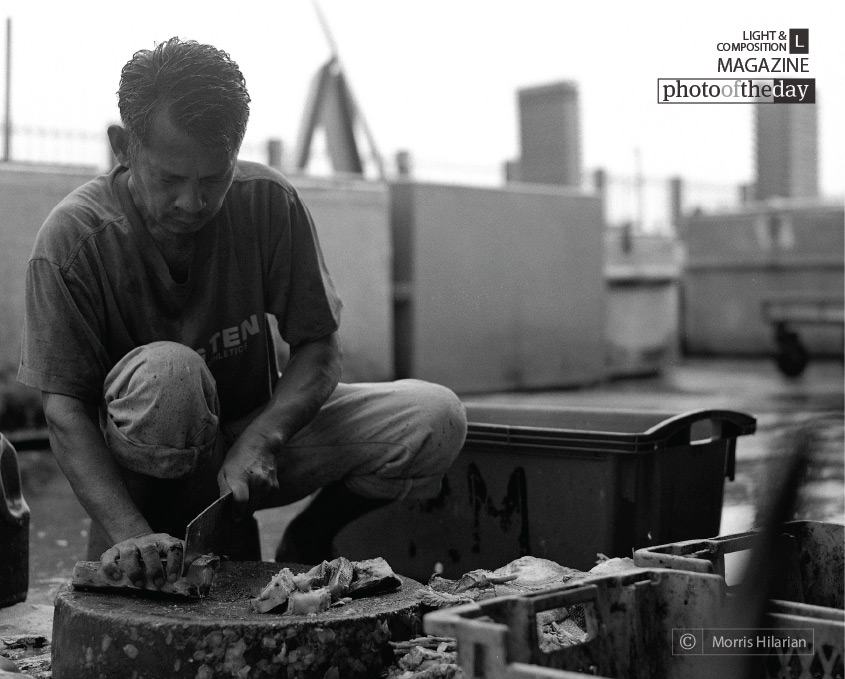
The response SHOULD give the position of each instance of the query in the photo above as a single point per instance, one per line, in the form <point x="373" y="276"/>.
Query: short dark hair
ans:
<point x="199" y="86"/>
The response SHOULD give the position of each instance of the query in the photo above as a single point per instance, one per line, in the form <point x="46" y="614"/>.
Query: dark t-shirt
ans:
<point x="97" y="287"/>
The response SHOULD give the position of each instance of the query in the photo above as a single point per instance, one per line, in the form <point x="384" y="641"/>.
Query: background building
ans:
<point x="550" y="134"/>
<point x="786" y="147"/>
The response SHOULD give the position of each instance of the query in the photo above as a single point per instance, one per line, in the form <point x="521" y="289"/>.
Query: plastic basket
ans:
<point x="630" y="620"/>
<point x="813" y="563"/>
<point x="828" y="626"/>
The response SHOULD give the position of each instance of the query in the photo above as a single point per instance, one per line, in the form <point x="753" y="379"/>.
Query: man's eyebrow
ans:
<point x="165" y="174"/>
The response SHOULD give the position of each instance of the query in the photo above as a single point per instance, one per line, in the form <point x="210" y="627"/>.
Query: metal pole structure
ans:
<point x="676" y="205"/>
<point x="7" y="123"/>
<point x="377" y="159"/>
<point x="325" y="26"/>
<point x="639" y="185"/>
<point x="600" y="185"/>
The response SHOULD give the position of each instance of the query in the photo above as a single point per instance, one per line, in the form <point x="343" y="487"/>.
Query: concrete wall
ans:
<point x="502" y="288"/>
<point x="352" y="222"/>
<point x="498" y="288"/>
<point x="643" y="274"/>
<point x="27" y="194"/>
<point x="736" y="261"/>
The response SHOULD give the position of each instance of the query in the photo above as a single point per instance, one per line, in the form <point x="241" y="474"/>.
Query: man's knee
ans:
<point x="442" y="417"/>
<point x="161" y="410"/>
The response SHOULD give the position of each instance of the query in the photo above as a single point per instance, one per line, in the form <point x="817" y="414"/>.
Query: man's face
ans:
<point x="178" y="184"/>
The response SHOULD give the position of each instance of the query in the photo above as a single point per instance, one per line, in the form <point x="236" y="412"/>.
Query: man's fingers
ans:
<point x="240" y="495"/>
<point x="222" y="482"/>
<point x="152" y="564"/>
<point x="174" y="560"/>
<point x="261" y="485"/>
<point x="141" y="558"/>
<point x="108" y="562"/>
<point x="131" y="564"/>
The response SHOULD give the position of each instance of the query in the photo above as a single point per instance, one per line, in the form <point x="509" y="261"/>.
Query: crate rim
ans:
<point x="634" y="442"/>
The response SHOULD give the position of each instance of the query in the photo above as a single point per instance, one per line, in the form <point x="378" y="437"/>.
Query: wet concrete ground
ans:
<point x="59" y="526"/>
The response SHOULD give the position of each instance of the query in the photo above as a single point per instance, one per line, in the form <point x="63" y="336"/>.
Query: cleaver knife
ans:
<point x="211" y="531"/>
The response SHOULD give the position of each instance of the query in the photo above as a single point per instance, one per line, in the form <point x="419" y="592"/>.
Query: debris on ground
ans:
<point x="428" y="657"/>
<point x="560" y="628"/>
<point x="29" y="654"/>
<point x="22" y="641"/>
<point x="36" y="666"/>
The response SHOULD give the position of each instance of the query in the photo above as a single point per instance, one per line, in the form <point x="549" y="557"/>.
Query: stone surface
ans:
<point x="145" y="635"/>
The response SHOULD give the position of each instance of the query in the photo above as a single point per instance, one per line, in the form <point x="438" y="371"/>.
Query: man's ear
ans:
<point x="119" y="141"/>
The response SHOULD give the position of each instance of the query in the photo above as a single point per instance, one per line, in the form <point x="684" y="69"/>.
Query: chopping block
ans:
<point x="143" y="634"/>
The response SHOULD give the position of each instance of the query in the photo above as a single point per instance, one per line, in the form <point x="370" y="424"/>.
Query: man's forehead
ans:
<point x="169" y="150"/>
<point x="172" y="163"/>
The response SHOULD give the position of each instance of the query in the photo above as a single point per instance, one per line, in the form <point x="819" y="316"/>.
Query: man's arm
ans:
<point x="82" y="454"/>
<point x="310" y="377"/>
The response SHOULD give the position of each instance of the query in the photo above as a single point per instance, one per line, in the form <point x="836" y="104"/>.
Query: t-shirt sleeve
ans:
<point x="61" y="348"/>
<point x="301" y="293"/>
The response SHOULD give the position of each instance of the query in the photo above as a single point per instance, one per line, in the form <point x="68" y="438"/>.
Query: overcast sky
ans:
<point x="440" y="77"/>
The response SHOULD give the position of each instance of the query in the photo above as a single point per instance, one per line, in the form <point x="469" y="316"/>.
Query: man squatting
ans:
<point x="140" y="281"/>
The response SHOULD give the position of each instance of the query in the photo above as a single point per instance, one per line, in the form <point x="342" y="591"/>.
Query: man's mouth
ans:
<point x="186" y="223"/>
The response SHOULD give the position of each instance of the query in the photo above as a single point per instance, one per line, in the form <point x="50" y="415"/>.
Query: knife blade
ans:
<point x="210" y="532"/>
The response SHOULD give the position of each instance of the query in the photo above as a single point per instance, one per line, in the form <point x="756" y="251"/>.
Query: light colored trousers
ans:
<point x="160" y="419"/>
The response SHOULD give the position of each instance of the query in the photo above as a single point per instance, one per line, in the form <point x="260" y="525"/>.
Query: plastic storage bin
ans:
<point x="560" y="484"/>
<point x="14" y="529"/>
<point x="634" y="623"/>
<point x="813" y="552"/>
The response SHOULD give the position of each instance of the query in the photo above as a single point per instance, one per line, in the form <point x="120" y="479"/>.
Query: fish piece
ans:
<point x="305" y="582"/>
<point x="276" y="593"/>
<point x="536" y="573"/>
<point x="481" y="578"/>
<point x="306" y="603"/>
<point x="336" y="575"/>
<point x="194" y="584"/>
<point x="341" y="573"/>
<point x="339" y="580"/>
<point x="372" y="576"/>
<point x="606" y="566"/>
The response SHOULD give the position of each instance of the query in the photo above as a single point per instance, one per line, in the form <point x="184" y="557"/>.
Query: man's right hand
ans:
<point x="140" y="558"/>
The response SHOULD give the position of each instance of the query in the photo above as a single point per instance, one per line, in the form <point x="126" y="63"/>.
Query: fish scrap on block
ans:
<point x="195" y="584"/>
<point x="331" y="583"/>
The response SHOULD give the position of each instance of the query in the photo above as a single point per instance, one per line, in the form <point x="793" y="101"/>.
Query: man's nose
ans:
<point x="190" y="198"/>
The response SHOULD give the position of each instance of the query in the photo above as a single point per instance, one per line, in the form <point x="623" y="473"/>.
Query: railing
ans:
<point x="643" y="204"/>
<point x="86" y="148"/>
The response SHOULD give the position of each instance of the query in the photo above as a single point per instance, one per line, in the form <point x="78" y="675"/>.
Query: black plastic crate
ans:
<point x="562" y="484"/>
